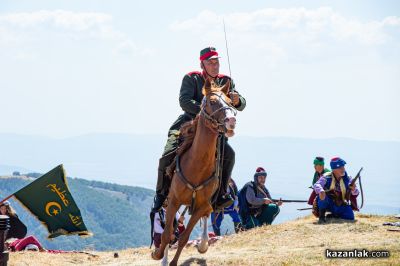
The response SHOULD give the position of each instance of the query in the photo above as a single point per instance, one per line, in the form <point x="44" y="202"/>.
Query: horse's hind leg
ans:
<point x="203" y="246"/>
<point x="184" y="237"/>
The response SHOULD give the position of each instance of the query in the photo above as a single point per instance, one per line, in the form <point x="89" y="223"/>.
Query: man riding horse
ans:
<point x="190" y="99"/>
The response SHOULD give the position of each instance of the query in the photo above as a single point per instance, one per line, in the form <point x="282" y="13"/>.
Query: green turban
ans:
<point x="319" y="161"/>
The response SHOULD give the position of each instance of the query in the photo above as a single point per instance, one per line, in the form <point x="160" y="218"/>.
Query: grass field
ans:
<point x="298" y="242"/>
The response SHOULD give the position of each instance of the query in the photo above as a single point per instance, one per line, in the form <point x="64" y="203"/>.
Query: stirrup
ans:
<point x="224" y="202"/>
<point x="158" y="202"/>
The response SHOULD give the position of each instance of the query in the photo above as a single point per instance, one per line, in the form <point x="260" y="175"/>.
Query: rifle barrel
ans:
<point x="303" y="209"/>
<point x="288" y="201"/>
<point x="357" y="176"/>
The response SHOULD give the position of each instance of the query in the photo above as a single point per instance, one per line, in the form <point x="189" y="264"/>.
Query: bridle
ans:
<point x="220" y="126"/>
<point x="220" y="129"/>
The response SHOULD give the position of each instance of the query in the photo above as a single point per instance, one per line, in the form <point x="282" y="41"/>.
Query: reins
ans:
<point x="210" y="117"/>
<point x="220" y="151"/>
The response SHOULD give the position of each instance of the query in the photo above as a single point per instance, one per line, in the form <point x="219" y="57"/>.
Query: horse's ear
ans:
<point x="226" y="87"/>
<point x="207" y="87"/>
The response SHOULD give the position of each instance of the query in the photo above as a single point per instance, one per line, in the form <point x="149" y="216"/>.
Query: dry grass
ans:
<point x="299" y="242"/>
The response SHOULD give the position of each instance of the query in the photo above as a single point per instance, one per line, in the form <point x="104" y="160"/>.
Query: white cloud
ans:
<point x="391" y="21"/>
<point x="297" y="21"/>
<point x="126" y="47"/>
<point x="20" y="28"/>
<point x="58" y="18"/>
<point x="129" y="48"/>
<point x="277" y="35"/>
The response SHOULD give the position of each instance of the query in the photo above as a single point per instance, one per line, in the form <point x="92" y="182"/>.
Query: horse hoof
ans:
<point x="164" y="263"/>
<point x="155" y="255"/>
<point x="173" y="263"/>
<point x="202" y="250"/>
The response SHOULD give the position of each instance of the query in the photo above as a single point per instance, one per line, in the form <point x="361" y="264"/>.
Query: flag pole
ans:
<point x="1" y="202"/>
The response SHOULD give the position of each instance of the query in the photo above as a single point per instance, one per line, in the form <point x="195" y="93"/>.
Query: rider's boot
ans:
<point x="163" y="184"/>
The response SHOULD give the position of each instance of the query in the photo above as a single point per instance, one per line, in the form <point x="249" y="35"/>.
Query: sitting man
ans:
<point x="262" y="210"/>
<point x="217" y="217"/>
<point x="337" y="183"/>
<point x="320" y="170"/>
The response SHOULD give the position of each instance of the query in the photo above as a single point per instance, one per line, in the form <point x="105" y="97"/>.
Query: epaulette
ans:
<point x="327" y="175"/>
<point x="193" y="72"/>
<point x="223" y="76"/>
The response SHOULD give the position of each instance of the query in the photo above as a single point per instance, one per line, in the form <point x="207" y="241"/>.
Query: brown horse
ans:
<point x="194" y="181"/>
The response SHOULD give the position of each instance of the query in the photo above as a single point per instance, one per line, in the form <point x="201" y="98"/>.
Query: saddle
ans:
<point x="185" y="141"/>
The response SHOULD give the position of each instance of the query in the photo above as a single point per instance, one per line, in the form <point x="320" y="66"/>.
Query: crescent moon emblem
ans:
<point x="51" y="204"/>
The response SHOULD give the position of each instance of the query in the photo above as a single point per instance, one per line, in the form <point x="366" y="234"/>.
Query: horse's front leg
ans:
<point x="166" y="235"/>
<point x="203" y="246"/>
<point x="164" y="261"/>
<point x="184" y="237"/>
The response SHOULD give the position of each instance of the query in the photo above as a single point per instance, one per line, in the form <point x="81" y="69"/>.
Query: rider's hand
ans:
<point x="353" y="187"/>
<point x="322" y="195"/>
<point x="235" y="98"/>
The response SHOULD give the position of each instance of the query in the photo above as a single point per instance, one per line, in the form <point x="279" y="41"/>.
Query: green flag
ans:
<point x="49" y="199"/>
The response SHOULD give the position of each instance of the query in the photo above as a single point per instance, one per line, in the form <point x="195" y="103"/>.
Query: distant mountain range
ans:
<point x="132" y="160"/>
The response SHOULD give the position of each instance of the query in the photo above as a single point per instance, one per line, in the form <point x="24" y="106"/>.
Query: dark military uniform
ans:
<point x="190" y="98"/>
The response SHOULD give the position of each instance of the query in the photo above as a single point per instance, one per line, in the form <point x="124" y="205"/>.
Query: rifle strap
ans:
<point x="261" y="190"/>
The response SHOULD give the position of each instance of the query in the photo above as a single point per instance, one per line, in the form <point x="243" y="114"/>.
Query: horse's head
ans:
<point x="217" y="108"/>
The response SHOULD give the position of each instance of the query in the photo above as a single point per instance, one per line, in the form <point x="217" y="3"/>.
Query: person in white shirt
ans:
<point x="159" y="225"/>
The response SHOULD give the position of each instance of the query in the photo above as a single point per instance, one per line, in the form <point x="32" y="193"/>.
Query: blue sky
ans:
<point x="312" y="69"/>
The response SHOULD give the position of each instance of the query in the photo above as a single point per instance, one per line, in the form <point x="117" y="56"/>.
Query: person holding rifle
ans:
<point x="333" y="190"/>
<point x="262" y="209"/>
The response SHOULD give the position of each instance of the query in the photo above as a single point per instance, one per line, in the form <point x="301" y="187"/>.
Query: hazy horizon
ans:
<point x="165" y="137"/>
<point x="309" y="69"/>
<point x="132" y="160"/>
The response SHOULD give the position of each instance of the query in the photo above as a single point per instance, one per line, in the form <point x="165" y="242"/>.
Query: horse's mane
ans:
<point x="187" y="133"/>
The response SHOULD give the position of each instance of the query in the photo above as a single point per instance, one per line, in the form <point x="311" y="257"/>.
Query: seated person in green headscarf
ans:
<point x="320" y="170"/>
